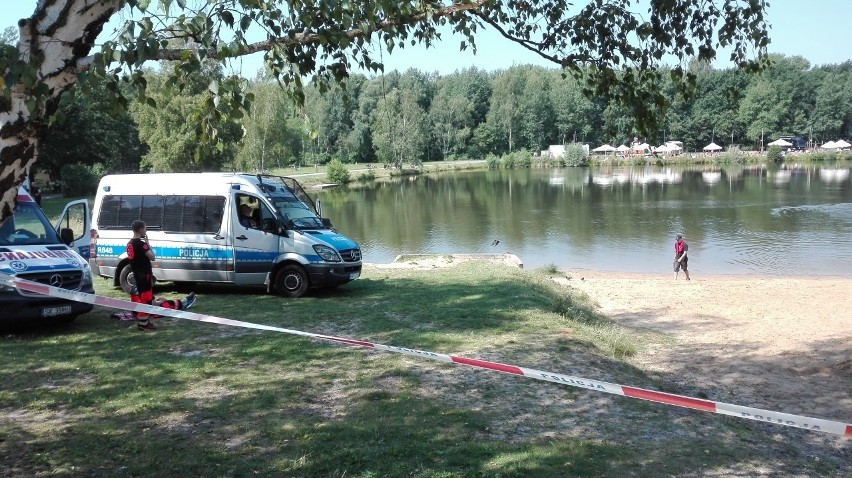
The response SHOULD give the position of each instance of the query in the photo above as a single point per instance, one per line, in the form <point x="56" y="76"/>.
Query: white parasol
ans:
<point x="605" y="148"/>
<point x="780" y="142"/>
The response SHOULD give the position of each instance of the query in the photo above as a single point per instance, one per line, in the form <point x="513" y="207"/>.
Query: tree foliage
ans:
<point x="169" y="125"/>
<point x="612" y="48"/>
<point x="90" y="133"/>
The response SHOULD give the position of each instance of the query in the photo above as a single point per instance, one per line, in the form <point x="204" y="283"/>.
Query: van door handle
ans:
<point x="218" y="237"/>
<point x="242" y="238"/>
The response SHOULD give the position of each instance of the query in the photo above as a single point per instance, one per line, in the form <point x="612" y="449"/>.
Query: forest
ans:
<point x="397" y="118"/>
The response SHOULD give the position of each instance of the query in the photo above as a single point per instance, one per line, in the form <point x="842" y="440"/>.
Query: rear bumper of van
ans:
<point x="331" y="275"/>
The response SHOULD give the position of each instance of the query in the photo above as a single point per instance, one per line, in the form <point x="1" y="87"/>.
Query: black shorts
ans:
<point x="680" y="265"/>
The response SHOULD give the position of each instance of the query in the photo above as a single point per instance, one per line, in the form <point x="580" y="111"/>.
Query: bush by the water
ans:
<point x="732" y="155"/>
<point x="575" y="155"/>
<point x="337" y="172"/>
<point x="774" y="154"/>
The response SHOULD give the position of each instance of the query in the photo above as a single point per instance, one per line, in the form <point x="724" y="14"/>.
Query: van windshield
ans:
<point x="295" y="213"/>
<point x="27" y="226"/>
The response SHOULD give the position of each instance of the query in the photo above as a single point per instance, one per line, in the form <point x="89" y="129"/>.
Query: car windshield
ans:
<point x="295" y="213"/>
<point x="27" y="226"/>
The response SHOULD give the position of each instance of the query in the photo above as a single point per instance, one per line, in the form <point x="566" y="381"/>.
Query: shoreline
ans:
<point x="701" y="276"/>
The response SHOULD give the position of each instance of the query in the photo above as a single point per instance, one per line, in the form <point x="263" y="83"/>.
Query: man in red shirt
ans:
<point x="681" y="259"/>
<point x="140" y="254"/>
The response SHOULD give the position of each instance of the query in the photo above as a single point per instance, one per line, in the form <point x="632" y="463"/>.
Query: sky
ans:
<point x="817" y="30"/>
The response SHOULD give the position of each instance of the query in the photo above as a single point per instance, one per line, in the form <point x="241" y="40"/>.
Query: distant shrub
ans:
<point x="78" y="180"/>
<point x="575" y="155"/>
<point x="337" y="172"/>
<point x="732" y="155"/>
<point x="508" y="161"/>
<point x="492" y="161"/>
<point x="774" y="154"/>
<point x="523" y="159"/>
<point x="821" y="156"/>
<point x="366" y="177"/>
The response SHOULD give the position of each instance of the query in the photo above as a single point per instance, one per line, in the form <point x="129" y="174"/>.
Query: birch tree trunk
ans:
<point x="53" y="49"/>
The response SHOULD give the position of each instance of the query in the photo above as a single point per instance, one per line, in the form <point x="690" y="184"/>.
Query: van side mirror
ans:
<point x="66" y="235"/>
<point x="326" y="222"/>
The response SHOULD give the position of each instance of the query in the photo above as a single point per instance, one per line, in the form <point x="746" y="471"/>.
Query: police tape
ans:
<point x="750" y="413"/>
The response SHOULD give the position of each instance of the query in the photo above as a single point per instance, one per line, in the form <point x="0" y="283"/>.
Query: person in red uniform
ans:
<point x="681" y="259"/>
<point x="141" y="256"/>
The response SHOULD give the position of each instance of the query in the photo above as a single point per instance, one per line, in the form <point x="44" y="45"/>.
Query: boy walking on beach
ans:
<point x="681" y="258"/>
<point x="141" y="256"/>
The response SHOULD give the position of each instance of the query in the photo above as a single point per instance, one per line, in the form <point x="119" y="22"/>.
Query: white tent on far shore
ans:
<point x="712" y="147"/>
<point x="829" y="145"/>
<point x="840" y="144"/>
<point x="605" y="148"/>
<point x="781" y="142"/>
<point x="622" y="148"/>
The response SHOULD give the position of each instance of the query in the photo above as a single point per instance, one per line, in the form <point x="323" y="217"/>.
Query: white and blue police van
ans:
<point x="195" y="230"/>
<point x="33" y="249"/>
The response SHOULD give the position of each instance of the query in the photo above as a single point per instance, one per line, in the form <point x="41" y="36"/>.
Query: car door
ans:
<point x="74" y="225"/>
<point x="255" y="250"/>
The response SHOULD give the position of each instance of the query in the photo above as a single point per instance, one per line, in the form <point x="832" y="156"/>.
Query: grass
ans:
<point x="99" y="398"/>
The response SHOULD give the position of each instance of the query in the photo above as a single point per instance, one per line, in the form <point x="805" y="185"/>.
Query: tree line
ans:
<point x="401" y="118"/>
<point x="614" y="48"/>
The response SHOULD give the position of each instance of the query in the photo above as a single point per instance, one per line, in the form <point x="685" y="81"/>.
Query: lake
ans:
<point x="738" y="219"/>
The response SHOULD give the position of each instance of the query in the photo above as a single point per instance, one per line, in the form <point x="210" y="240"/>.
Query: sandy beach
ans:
<point x="779" y="343"/>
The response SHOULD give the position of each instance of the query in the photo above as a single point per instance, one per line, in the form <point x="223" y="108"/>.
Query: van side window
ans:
<point x="193" y="214"/>
<point x="118" y="212"/>
<point x="190" y="214"/>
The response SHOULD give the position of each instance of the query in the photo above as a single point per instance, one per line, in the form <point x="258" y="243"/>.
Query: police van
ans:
<point x="32" y="249"/>
<point x="235" y="228"/>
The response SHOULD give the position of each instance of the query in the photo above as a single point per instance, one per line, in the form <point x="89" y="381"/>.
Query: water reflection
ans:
<point x="792" y="219"/>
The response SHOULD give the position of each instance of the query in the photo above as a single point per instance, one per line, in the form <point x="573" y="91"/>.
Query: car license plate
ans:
<point x="354" y="275"/>
<point x="54" y="311"/>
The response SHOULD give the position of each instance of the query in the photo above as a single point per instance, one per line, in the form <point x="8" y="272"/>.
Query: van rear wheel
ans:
<point x="126" y="279"/>
<point x="291" y="281"/>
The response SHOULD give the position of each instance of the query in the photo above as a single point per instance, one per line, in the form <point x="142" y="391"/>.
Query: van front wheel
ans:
<point x="291" y="281"/>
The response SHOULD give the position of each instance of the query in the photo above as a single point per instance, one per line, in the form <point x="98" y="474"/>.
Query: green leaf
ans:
<point x="228" y="18"/>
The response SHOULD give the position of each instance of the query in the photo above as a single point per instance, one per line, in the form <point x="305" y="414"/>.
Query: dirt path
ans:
<point x="779" y="343"/>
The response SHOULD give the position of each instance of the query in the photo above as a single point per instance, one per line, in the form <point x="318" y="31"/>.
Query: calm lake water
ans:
<point x="790" y="220"/>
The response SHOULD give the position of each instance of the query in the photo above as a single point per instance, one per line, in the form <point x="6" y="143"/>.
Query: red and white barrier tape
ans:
<point x="767" y="416"/>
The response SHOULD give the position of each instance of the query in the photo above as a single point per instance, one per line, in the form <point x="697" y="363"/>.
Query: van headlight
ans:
<point x="328" y="254"/>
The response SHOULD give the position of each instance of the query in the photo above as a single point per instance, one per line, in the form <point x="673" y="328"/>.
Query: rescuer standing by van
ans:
<point x="140" y="254"/>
